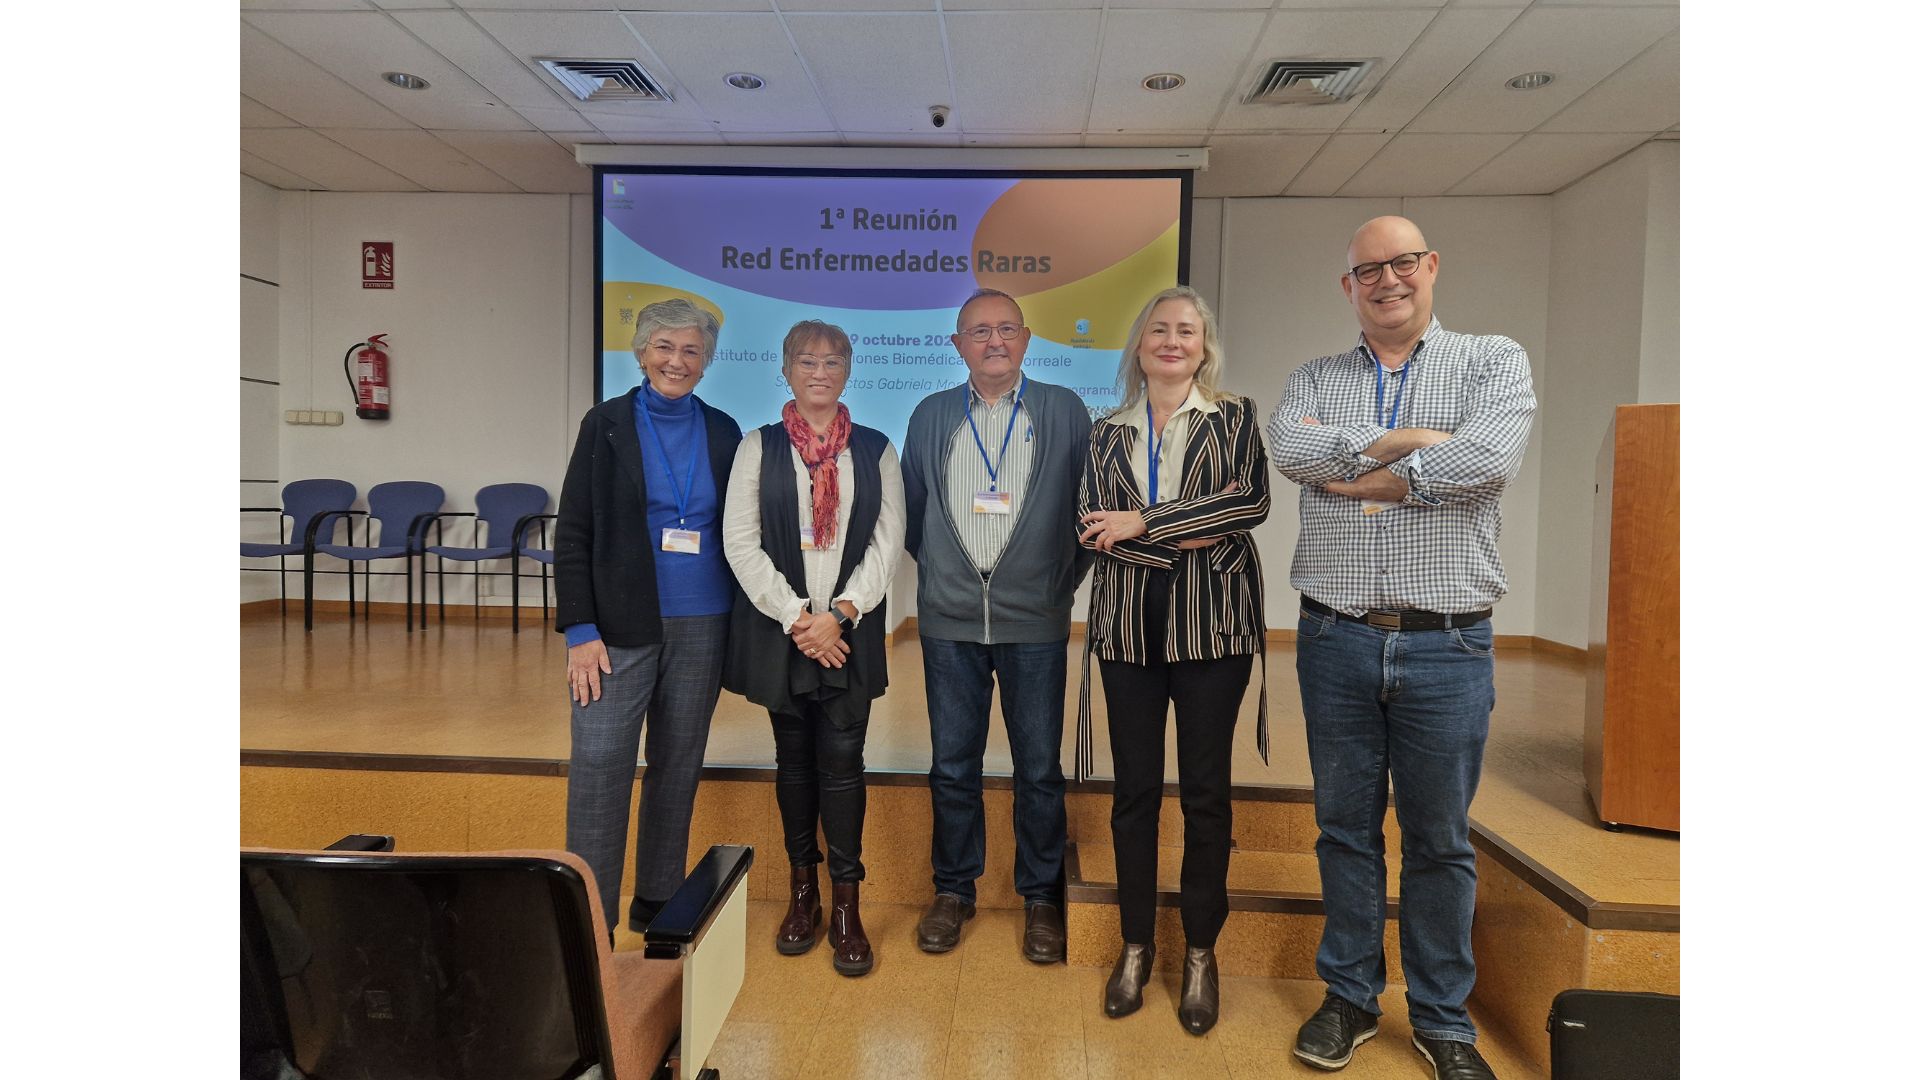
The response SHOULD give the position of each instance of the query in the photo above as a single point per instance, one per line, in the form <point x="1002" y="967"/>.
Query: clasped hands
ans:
<point x="818" y="636"/>
<point x="1108" y="527"/>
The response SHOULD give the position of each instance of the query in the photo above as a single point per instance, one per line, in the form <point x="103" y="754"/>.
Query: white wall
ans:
<point x="259" y="375"/>
<point x="1613" y="338"/>
<point x="488" y="333"/>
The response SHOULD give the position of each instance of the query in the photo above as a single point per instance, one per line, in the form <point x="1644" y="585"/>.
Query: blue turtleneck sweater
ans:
<point x="689" y="584"/>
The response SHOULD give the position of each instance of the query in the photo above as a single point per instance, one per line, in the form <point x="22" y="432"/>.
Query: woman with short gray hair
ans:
<point x="646" y="636"/>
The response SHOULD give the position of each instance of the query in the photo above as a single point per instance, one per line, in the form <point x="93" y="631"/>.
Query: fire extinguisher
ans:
<point x="372" y="390"/>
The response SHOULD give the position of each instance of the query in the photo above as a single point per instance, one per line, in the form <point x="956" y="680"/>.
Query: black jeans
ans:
<point x="820" y="777"/>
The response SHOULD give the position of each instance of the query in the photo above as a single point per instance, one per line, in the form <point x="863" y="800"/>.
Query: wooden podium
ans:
<point x="1633" y="650"/>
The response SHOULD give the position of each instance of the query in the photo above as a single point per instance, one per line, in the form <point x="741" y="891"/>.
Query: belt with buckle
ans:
<point x="1405" y="619"/>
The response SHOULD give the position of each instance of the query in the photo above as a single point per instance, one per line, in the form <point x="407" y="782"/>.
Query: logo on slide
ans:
<point x="1082" y="326"/>
<point x="619" y="186"/>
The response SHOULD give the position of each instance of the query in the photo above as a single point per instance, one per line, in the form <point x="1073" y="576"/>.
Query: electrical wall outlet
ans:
<point x="332" y="419"/>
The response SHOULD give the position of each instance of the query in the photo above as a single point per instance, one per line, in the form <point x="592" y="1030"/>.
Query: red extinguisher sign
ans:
<point x="376" y="264"/>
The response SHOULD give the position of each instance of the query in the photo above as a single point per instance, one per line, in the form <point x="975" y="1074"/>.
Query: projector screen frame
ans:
<point x="1182" y="272"/>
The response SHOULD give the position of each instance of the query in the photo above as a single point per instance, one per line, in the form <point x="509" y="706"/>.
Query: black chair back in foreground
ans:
<point x="493" y="966"/>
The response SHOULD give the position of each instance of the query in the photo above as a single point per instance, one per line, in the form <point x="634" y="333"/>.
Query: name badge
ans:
<point x="685" y="541"/>
<point x="1376" y="506"/>
<point x="993" y="502"/>
<point x="806" y="539"/>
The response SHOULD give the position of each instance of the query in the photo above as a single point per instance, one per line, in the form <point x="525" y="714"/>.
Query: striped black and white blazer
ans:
<point x="1218" y="604"/>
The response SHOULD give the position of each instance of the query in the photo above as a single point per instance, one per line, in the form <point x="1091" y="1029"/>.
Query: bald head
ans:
<point x="1391" y="231"/>
<point x="1394" y="308"/>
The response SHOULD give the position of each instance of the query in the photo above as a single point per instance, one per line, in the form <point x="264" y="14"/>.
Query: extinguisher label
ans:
<point x="366" y="369"/>
<point x="382" y="396"/>
<point x="376" y="264"/>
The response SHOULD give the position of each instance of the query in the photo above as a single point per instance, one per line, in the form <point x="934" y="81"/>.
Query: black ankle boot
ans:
<point x="1199" y="992"/>
<point x="1129" y="978"/>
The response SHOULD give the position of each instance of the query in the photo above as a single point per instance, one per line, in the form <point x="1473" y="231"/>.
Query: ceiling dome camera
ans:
<point x="939" y="114"/>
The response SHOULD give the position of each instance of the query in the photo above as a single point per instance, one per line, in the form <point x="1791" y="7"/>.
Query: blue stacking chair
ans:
<point x="312" y="505"/>
<point x="542" y="555"/>
<point x="403" y="508"/>
<point x="504" y="510"/>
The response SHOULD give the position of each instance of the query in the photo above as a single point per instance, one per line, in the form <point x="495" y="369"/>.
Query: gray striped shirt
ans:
<point x="984" y="536"/>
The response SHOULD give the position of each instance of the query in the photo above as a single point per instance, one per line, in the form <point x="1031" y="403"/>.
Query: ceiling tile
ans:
<point x="877" y="72"/>
<point x="1581" y="46"/>
<point x="1207" y="47"/>
<point x="1451" y="42"/>
<point x="304" y="5"/>
<point x="288" y="83"/>
<point x="1041" y="77"/>
<point x="423" y="159"/>
<point x="597" y="34"/>
<point x="409" y="5"/>
<point x="858" y="5"/>
<point x="661" y="138"/>
<point x="358" y="47"/>
<point x="1424" y="164"/>
<point x="1542" y="164"/>
<point x="529" y="159"/>
<point x="1322" y="35"/>
<point x="558" y="121"/>
<point x="1609" y="3"/>
<point x="459" y="39"/>
<point x="322" y="160"/>
<point x="1022" y="5"/>
<point x="668" y="5"/>
<point x="638" y="117"/>
<point x="1006" y="138"/>
<point x="268" y="173"/>
<point x="1642" y="96"/>
<point x="1253" y="164"/>
<point x="1339" y="158"/>
<point x="1366" y="3"/>
<point x="254" y="114"/>
<point x="1144" y="138"/>
<point x="707" y="48"/>
<point x="1211" y="5"/>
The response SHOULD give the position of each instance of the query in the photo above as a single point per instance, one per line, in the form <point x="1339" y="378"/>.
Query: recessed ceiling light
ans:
<point x="1532" y="80"/>
<point x="745" y="80"/>
<point x="1166" y="80"/>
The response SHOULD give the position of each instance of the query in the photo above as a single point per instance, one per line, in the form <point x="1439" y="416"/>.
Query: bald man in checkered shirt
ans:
<point x="1402" y="447"/>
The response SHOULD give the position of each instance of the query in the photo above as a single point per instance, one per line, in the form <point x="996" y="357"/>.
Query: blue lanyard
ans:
<point x="993" y="469"/>
<point x="680" y="497"/>
<point x="1153" y="457"/>
<point x="1380" y="388"/>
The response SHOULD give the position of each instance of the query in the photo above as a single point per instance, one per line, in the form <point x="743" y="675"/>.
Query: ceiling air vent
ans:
<point x="1307" y="82"/>
<point x="605" y="80"/>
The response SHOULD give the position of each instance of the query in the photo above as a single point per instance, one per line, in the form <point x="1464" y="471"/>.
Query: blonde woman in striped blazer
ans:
<point x="1176" y="479"/>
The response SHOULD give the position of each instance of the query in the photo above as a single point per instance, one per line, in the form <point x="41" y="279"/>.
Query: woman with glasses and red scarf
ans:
<point x="815" y="523"/>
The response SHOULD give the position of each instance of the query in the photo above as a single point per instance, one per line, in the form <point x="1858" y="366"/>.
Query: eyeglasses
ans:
<point x="1403" y="267"/>
<point x="809" y="363"/>
<point x="691" y="353"/>
<point x="983" y="334"/>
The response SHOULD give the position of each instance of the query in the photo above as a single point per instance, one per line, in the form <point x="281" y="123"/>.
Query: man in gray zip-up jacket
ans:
<point x="992" y="468"/>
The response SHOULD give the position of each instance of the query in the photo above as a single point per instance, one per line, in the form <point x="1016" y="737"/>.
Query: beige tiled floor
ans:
<point x="984" y="1011"/>
<point x="473" y="688"/>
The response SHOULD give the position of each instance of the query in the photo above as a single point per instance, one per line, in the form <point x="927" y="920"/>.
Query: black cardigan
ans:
<point x="603" y="546"/>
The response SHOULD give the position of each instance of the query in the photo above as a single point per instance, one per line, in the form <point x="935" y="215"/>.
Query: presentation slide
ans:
<point x="889" y="259"/>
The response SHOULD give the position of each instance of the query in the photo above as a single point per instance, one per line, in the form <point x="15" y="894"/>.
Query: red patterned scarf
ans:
<point x="821" y="453"/>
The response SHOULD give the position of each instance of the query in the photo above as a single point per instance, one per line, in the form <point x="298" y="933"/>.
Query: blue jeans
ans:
<point x="1033" y="697"/>
<point x="1412" y="706"/>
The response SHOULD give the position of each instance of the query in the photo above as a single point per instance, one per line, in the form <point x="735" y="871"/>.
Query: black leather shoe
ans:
<point x="1199" y="992"/>
<point x="1327" y="1039"/>
<point x="1129" y="978"/>
<point x="1452" y="1059"/>
<point x="1045" y="941"/>
<point x="939" y="929"/>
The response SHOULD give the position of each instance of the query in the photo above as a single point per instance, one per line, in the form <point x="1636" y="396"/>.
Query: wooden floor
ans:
<point x="473" y="689"/>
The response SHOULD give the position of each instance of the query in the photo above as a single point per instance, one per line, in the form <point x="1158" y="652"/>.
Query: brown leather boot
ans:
<point x="801" y="928"/>
<point x="852" y="953"/>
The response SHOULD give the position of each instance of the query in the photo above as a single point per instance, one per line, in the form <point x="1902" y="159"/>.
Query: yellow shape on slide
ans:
<point x="1108" y="300"/>
<point x="620" y="304"/>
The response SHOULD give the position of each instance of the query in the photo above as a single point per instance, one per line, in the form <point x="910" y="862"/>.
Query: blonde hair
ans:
<point x="1131" y="382"/>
